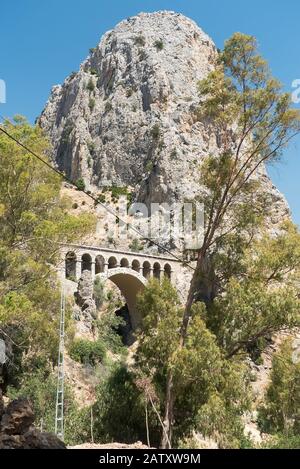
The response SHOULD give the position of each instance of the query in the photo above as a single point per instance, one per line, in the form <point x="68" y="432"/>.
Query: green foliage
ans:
<point x="87" y="352"/>
<point x="91" y="146"/>
<point x="40" y="388"/>
<point x="92" y="103"/>
<point x="67" y="130"/>
<point x="256" y="303"/>
<point x="108" y="326"/>
<point x="90" y="85"/>
<point x="120" y="410"/>
<point x="108" y="106"/>
<point x="135" y="245"/>
<point x="283" y="441"/>
<point x="33" y="223"/>
<point x="252" y="118"/>
<point x="281" y="411"/>
<point x="118" y="191"/>
<point x="140" y="41"/>
<point x="155" y="132"/>
<point x="101" y="198"/>
<point x="159" y="45"/>
<point x="93" y="71"/>
<point x="149" y="166"/>
<point x="98" y="293"/>
<point x="204" y="383"/>
<point x="80" y="184"/>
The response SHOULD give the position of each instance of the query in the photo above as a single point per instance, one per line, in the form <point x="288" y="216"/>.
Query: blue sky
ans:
<point x="42" y="42"/>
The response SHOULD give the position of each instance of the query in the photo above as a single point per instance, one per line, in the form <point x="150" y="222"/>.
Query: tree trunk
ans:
<point x="166" y="439"/>
<point x="202" y="269"/>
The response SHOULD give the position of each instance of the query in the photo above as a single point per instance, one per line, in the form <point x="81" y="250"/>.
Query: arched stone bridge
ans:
<point x="128" y="270"/>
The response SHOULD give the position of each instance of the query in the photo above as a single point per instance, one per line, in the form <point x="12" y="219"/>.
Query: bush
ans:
<point x="80" y="184"/>
<point x="92" y="103"/>
<point x="99" y="295"/>
<point x="93" y="71"/>
<point x="101" y="198"/>
<point x="40" y="389"/>
<point x="281" y="411"/>
<point x="109" y="325"/>
<point x="283" y="441"/>
<point x="135" y="245"/>
<point x="159" y="45"/>
<point x="155" y="131"/>
<point x="140" y="41"/>
<point x="87" y="352"/>
<point x="108" y="106"/>
<point x="91" y="85"/>
<point x="91" y="146"/>
<point x="120" y="410"/>
<point x="149" y="166"/>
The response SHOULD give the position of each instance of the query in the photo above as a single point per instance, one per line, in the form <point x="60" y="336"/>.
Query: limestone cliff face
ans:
<point x="127" y="117"/>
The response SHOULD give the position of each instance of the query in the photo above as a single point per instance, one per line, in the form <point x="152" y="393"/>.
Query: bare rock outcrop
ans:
<point x="85" y="310"/>
<point x="17" y="430"/>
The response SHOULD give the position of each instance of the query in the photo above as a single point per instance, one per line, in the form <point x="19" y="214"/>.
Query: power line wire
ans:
<point x="95" y="199"/>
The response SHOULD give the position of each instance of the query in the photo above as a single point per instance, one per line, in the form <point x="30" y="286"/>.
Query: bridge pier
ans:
<point x="78" y="269"/>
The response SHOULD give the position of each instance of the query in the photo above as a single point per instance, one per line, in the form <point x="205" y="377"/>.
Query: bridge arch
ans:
<point x="167" y="271"/>
<point x="124" y="262"/>
<point x="146" y="269"/>
<point x="130" y="283"/>
<point x="99" y="264"/>
<point x="156" y="270"/>
<point x="86" y="262"/>
<point x="112" y="262"/>
<point x="70" y="264"/>
<point x="136" y="265"/>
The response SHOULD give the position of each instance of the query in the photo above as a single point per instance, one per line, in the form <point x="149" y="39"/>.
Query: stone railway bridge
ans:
<point x="128" y="270"/>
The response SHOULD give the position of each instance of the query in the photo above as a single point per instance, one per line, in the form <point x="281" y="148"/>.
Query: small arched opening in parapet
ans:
<point x="86" y="262"/>
<point x="167" y="271"/>
<point x="146" y="269"/>
<point x="156" y="270"/>
<point x="124" y="262"/>
<point x="136" y="265"/>
<point x="70" y="262"/>
<point x="112" y="262"/>
<point x="99" y="264"/>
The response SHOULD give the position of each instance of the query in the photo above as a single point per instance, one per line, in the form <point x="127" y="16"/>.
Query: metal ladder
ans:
<point x="59" y="409"/>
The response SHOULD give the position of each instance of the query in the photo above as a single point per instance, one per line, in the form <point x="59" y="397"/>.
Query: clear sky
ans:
<point x="41" y="42"/>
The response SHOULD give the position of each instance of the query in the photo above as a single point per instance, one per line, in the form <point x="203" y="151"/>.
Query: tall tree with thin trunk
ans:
<point x="253" y="121"/>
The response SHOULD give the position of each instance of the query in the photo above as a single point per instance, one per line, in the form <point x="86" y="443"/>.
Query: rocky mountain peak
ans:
<point x="129" y="117"/>
<point x="126" y="117"/>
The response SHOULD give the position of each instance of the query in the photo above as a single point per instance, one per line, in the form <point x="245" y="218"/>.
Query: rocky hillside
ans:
<point x="128" y="116"/>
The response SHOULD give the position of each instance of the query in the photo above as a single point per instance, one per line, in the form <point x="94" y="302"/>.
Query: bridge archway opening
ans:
<point x="86" y="262"/>
<point x="136" y="265"/>
<point x="146" y="269"/>
<point x="99" y="264"/>
<point x="112" y="262"/>
<point x="124" y="262"/>
<point x="70" y="268"/>
<point x="156" y="270"/>
<point x="167" y="271"/>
